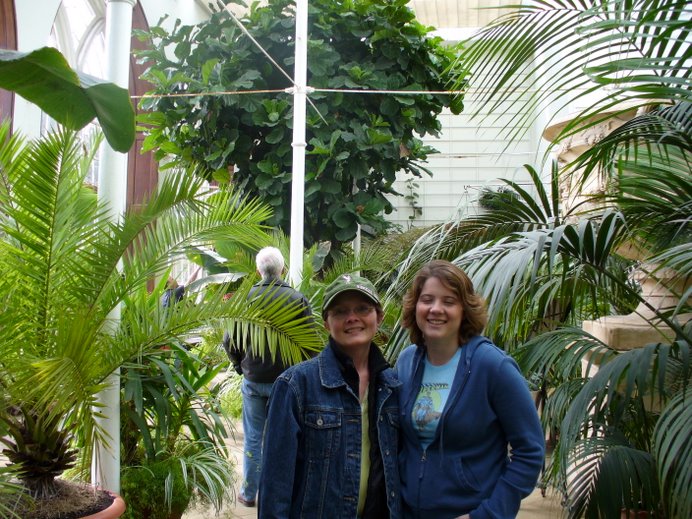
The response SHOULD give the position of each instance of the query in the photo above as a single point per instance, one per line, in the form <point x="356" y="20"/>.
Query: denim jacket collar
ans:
<point x="334" y="362"/>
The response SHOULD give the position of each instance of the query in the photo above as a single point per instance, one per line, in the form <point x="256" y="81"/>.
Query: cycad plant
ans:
<point x="65" y="267"/>
<point x="623" y="439"/>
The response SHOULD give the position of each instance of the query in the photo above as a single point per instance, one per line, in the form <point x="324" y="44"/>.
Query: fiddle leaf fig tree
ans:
<point x="356" y="142"/>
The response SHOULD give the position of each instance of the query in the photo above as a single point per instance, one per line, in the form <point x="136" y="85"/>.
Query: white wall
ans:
<point x="474" y="153"/>
<point x="188" y="11"/>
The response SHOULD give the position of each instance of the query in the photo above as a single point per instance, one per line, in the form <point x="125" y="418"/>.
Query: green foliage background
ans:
<point x="356" y="142"/>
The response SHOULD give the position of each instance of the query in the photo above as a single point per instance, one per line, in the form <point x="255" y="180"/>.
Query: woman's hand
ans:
<point x="465" y="516"/>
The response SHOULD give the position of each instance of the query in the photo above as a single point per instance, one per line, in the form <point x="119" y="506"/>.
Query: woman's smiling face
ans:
<point x="352" y="320"/>
<point x="439" y="314"/>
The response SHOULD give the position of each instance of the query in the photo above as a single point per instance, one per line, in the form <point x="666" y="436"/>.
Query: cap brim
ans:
<point x="325" y="304"/>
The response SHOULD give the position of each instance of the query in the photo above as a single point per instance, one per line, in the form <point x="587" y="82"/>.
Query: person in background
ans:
<point x="472" y="442"/>
<point x="331" y="443"/>
<point x="260" y="370"/>
<point x="174" y="292"/>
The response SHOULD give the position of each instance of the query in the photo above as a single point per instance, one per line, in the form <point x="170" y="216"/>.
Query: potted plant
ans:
<point x="64" y="270"/>
<point x="173" y="435"/>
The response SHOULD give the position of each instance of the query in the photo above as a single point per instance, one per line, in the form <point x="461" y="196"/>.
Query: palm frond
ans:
<point x="10" y="159"/>
<point x="266" y="322"/>
<point x="637" y="49"/>
<point x="673" y="453"/>
<point x="655" y="195"/>
<point x="677" y="258"/>
<point x="661" y="131"/>
<point x="530" y="209"/>
<point x="10" y="493"/>
<point x="596" y="485"/>
<point x="525" y="273"/>
<point x="636" y="378"/>
<point x="563" y="354"/>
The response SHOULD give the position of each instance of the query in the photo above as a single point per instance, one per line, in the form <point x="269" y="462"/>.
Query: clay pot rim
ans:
<point x="116" y="509"/>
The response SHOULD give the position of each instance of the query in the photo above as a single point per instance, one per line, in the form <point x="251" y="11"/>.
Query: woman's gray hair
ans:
<point x="270" y="262"/>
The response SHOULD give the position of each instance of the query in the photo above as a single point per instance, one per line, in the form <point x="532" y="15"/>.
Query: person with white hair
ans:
<point x="260" y="369"/>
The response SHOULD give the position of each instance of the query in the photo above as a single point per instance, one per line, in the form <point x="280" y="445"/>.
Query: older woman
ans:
<point x="331" y="439"/>
<point x="472" y="441"/>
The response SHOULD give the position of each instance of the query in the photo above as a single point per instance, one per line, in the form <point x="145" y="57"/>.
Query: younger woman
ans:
<point x="473" y="445"/>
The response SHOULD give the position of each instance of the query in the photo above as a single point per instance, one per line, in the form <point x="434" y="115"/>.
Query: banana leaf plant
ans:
<point x="72" y="98"/>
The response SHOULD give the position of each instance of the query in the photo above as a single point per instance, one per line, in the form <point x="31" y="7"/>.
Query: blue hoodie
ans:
<point x="468" y="468"/>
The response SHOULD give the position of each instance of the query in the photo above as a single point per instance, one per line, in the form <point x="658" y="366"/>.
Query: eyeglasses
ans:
<point x="359" y="311"/>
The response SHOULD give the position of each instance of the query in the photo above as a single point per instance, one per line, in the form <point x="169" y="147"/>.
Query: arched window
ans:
<point x="79" y="34"/>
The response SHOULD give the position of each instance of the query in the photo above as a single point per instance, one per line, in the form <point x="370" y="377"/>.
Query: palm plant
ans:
<point x="173" y="435"/>
<point x="623" y="434"/>
<point x="65" y="267"/>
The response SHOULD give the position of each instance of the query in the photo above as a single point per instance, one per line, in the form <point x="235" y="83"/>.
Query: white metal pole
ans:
<point x="356" y="247"/>
<point x="105" y="468"/>
<point x="298" y="176"/>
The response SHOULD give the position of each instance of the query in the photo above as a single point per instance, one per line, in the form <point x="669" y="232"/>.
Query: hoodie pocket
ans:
<point x="465" y="476"/>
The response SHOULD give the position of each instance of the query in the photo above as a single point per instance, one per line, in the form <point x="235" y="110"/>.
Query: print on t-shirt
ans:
<point x="424" y="411"/>
<point x="432" y="397"/>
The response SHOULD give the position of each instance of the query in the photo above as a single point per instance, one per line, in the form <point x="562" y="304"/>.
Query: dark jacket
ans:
<point x="171" y="296"/>
<point x="467" y="468"/>
<point x="312" y="444"/>
<point x="264" y="369"/>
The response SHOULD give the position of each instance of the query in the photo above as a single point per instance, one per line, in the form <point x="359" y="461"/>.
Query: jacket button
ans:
<point x="320" y="421"/>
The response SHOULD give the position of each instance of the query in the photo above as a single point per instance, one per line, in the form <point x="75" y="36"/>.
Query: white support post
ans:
<point x="105" y="468"/>
<point x="356" y="247"/>
<point x="298" y="174"/>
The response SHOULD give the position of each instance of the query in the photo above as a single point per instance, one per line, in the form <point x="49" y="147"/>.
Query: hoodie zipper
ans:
<point x="439" y="436"/>
<point x="423" y="459"/>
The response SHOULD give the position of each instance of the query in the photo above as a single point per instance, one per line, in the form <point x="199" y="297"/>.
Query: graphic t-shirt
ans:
<point x="431" y="399"/>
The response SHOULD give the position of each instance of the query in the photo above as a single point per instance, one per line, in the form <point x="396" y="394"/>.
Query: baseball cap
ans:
<point x="346" y="283"/>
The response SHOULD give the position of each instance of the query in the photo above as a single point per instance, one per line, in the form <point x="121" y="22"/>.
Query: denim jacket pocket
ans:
<point x="323" y="429"/>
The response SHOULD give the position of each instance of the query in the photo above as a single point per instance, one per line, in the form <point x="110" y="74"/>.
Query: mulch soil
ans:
<point x="72" y="501"/>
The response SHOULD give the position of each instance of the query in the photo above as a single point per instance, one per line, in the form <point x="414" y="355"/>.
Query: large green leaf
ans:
<point x="72" y="98"/>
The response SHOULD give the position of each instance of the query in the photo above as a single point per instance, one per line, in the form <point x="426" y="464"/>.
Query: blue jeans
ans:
<point x="255" y="398"/>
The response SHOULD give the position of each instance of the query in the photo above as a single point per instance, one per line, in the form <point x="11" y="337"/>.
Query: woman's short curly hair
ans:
<point x="474" y="313"/>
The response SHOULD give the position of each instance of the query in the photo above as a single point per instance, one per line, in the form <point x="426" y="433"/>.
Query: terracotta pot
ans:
<point x="631" y="514"/>
<point x="116" y="509"/>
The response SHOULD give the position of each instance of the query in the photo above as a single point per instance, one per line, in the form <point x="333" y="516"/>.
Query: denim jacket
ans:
<point x="312" y="443"/>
